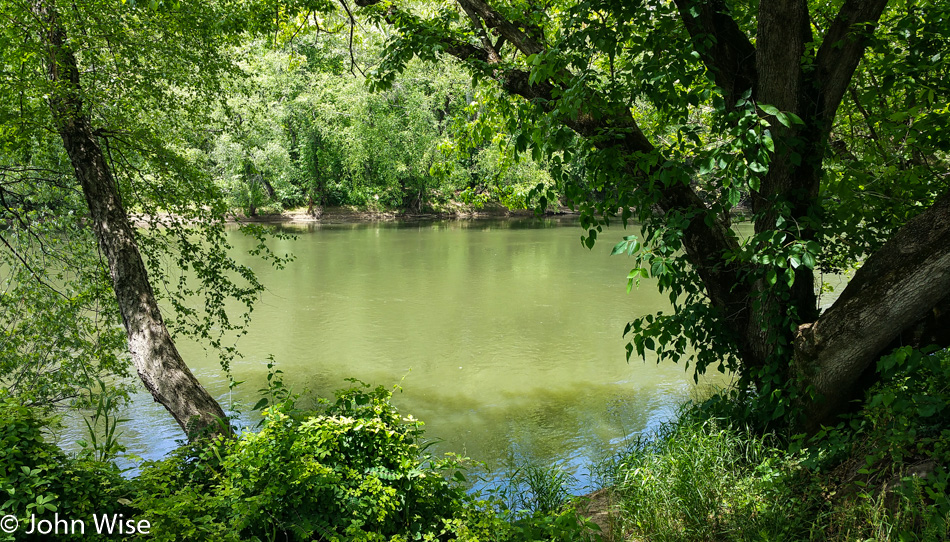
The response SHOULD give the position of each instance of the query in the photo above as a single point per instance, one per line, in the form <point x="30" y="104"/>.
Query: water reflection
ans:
<point x="504" y="335"/>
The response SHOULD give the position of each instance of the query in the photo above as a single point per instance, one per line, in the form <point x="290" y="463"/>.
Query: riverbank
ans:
<point x="711" y="474"/>
<point x="355" y="471"/>
<point x="347" y="214"/>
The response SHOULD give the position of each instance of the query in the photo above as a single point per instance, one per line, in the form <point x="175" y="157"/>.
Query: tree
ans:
<point x="314" y="130"/>
<point x="686" y="108"/>
<point x="100" y="77"/>
<point x="157" y="361"/>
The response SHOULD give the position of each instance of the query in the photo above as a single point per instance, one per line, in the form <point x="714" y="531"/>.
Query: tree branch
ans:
<point x="906" y="279"/>
<point x="493" y="56"/>
<point x="493" y="19"/>
<point x="29" y="268"/>
<point x="725" y="49"/>
<point x="353" y="63"/>
<point x="842" y="49"/>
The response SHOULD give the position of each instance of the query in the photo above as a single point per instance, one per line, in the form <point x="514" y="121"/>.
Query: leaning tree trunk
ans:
<point x="153" y="352"/>
<point x="907" y="278"/>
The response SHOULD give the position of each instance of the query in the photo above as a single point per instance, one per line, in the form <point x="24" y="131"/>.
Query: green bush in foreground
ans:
<point x="38" y="479"/>
<point x="354" y="471"/>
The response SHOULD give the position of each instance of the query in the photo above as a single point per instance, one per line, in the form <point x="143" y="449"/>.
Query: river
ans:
<point x="505" y="337"/>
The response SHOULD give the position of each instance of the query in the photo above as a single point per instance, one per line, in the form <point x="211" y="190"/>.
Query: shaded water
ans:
<point x="504" y="335"/>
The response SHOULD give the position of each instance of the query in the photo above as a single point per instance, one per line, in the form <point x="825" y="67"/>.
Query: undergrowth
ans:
<point x="880" y="474"/>
<point x="353" y="470"/>
<point x="356" y="469"/>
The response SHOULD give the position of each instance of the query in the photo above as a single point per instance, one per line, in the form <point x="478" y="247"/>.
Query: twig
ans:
<point x="352" y="25"/>
<point x="30" y="268"/>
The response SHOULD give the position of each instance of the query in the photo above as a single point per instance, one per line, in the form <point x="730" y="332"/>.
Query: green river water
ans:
<point x="504" y="335"/>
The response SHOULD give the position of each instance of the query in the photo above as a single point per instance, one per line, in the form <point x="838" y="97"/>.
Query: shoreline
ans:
<point x="343" y="215"/>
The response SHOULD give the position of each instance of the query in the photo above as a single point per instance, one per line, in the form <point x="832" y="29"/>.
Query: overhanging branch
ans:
<point x="896" y="287"/>
<point x="842" y="49"/>
<point x="493" y="19"/>
<point x="706" y="238"/>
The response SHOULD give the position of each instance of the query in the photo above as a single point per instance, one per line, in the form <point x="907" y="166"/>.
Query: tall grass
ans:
<point x="699" y="480"/>
<point x="703" y="479"/>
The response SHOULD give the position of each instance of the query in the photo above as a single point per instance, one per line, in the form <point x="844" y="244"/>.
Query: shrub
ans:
<point x="353" y="471"/>
<point x="894" y="452"/>
<point x="36" y="477"/>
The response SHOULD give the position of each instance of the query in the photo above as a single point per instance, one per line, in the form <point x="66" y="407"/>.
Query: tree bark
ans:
<point x="909" y="277"/>
<point x="157" y="361"/>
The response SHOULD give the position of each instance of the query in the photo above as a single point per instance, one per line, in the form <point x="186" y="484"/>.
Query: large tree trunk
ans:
<point x="154" y="355"/>
<point x="909" y="277"/>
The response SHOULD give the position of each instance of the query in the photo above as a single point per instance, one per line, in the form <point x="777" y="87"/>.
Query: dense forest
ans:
<point x="132" y="134"/>
<point x="303" y="129"/>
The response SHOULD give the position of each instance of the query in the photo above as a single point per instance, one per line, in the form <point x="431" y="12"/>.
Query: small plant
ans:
<point x="103" y="443"/>
<point x="535" y="488"/>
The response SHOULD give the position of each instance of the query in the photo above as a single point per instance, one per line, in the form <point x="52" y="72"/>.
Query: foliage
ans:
<point x="659" y="112"/>
<point x="351" y="471"/>
<point x="535" y="502"/>
<point x="355" y="470"/>
<point x="879" y="475"/>
<point x="103" y="444"/>
<point x="60" y="323"/>
<point x="36" y="477"/>
<point x="299" y="129"/>
<point x="898" y="443"/>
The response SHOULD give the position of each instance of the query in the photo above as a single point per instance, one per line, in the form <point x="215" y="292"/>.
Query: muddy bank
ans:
<point x="333" y="215"/>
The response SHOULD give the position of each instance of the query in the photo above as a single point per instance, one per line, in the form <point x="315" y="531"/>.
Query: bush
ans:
<point x="37" y="478"/>
<point x="894" y="452"/>
<point x="353" y="471"/>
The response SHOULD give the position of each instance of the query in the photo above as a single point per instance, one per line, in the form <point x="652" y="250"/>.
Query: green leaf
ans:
<point x="900" y="116"/>
<point x="769" y="109"/>
<point x="808" y="260"/>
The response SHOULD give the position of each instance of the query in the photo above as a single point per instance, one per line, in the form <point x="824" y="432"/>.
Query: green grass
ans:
<point x="704" y="479"/>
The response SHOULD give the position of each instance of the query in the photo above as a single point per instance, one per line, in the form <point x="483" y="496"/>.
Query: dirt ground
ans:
<point x="602" y="510"/>
<point x="352" y="214"/>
